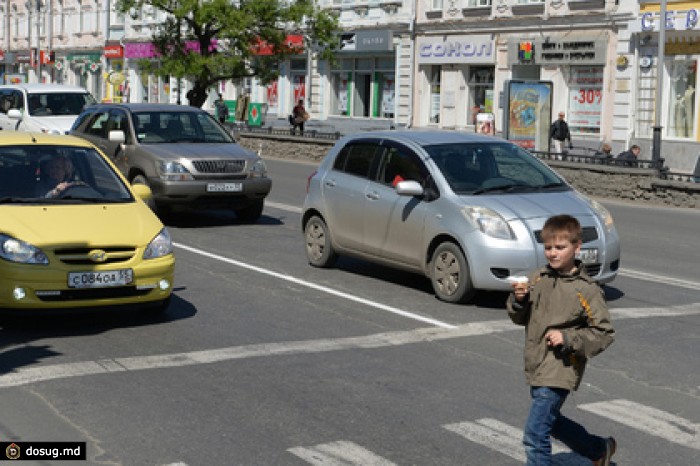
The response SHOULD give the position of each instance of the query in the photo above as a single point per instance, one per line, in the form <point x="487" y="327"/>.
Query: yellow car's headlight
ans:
<point x="14" y="250"/>
<point x="160" y="246"/>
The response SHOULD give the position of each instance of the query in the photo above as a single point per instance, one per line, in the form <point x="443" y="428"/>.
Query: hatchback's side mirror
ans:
<point x="409" y="188"/>
<point x="14" y="114"/>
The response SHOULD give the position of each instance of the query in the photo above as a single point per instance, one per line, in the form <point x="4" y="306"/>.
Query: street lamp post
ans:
<point x="656" y="142"/>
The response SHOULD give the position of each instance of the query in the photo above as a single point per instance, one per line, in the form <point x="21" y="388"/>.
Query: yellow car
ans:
<point x="73" y="232"/>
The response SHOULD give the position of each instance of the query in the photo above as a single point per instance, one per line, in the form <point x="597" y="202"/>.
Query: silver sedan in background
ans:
<point x="465" y="210"/>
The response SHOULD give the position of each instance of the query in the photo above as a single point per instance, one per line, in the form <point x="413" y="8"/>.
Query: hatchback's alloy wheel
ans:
<point x="450" y="274"/>
<point x="319" y="249"/>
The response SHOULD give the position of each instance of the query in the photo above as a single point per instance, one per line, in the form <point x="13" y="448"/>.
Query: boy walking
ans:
<point x="566" y="322"/>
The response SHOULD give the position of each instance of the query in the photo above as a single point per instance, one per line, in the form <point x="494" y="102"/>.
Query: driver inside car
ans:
<point x="56" y="177"/>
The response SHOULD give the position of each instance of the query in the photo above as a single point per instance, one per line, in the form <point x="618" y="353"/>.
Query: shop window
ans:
<point x="341" y="93"/>
<point x="387" y="91"/>
<point x="480" y="90"/>
<point x="585" y="98"/>
<point x="681" y="98"/>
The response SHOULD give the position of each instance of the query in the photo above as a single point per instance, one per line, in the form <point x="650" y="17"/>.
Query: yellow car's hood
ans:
<point x="130" y="224"/>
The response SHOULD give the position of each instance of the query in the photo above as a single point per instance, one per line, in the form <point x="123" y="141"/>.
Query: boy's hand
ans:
<point x="554" y="338"/>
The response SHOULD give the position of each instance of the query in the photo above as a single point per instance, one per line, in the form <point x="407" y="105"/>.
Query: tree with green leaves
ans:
<point x="229" y="34"/>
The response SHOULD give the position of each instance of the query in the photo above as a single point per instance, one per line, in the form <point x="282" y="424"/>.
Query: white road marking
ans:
<point x="652" y="277"/>
<point x="506" y="439"/>
<point x="649" y="420"/>
<point x="287" y="207"/>
<point x="340" y="453"/>
<point x="317" y="287"/>
<point x="28" y="375"/>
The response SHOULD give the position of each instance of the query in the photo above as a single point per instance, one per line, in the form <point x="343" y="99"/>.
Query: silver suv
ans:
<point x="182" y="153"/>
<point x="465" y="210"/>
<point x="42" y="108"/>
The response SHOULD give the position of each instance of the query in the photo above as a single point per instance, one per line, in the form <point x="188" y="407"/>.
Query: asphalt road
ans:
<point x="264" y="360"/>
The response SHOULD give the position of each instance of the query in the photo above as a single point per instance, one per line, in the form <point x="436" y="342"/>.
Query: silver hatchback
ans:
<point x="463" y="209"/>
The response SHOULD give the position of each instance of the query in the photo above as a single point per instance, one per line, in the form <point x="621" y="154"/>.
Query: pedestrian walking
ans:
<point x="298" y="117"/>
<point x="566" y="323"/>
<point x="559" y="133"/>
<point x="221" y="109"/>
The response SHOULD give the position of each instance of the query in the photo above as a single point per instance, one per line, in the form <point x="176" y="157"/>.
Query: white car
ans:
<point x="43" y="108"/>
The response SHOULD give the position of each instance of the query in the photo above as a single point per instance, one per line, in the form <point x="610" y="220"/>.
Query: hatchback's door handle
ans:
<point x="330" y="183"/>
<point x="374" y="195"/>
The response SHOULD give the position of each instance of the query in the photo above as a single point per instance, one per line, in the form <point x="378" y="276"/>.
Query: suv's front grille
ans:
<point x="219" y="166"/>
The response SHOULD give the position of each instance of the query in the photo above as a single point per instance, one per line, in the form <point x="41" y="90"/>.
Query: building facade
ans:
<point x="416" y="63"/>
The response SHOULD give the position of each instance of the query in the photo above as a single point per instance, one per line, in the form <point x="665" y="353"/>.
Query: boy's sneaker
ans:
<point x="610" y="447"/>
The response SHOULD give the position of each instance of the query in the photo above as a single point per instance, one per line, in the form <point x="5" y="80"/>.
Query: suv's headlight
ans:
<point x="160" y="246"/>
<point x="173" y="171"/>
<point x="259" y="169"/>
<point x="14" y="250"/>
<point x="489" y="222"/>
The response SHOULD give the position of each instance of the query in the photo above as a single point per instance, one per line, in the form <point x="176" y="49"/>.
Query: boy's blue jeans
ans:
<point x="545" y="420"/>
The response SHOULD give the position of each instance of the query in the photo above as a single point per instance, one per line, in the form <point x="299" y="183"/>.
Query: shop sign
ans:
<point x="570" y="52"/>
<point x="148" y="49"/>
<point x="292" y="44"/>
<point x="84" y="57"/>
<point x="367" y="41"/>
<point x="675" y="20"/>
<point x="476" y="48"/>
<point x="47" y="58"/>
<point x="23" y="56"/>
<point x="574" y="51"/>
<point x="113" y="51"/>
<point x="7" y="57"/>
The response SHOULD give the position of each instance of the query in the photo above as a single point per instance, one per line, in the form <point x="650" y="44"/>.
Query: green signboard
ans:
<point x="255" y="114"/>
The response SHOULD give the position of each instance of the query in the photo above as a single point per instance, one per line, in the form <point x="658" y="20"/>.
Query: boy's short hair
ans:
<point x="562" y="225"/>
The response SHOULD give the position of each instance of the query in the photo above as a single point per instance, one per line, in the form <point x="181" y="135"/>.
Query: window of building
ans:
<point x="477" y="3"/>
<point x="434" y="78"/>
<point x="435" y="5"/>
<point x="681" y="98"/>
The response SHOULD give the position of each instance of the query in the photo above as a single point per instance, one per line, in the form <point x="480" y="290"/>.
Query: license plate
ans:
<point x="588" y="256"/>
<point x="100" y="279"/>
<point x="224" y="187"/>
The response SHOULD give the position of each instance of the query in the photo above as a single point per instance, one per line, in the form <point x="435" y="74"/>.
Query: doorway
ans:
<point x="361" y="100"/>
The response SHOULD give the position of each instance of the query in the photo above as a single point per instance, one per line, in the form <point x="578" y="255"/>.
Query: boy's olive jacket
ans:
<point x="575" y="305"/>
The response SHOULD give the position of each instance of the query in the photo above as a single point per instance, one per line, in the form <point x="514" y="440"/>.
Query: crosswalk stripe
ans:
<point x="649" y="420"/>
<point x="506" y="439"/>
<point x="340" y="453"/>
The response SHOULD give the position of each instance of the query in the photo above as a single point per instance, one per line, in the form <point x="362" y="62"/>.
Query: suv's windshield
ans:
<point x="499" y="167"/>
<point x="58" y="103"/>
<point x="166" y="127"/>
<point x="52" y="173"/>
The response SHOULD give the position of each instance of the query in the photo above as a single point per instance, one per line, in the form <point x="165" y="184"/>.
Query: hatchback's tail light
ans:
<point x="308" y="180"/>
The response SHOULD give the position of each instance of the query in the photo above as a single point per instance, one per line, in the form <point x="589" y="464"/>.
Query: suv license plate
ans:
<point x="224" y="187"/>
<point x="100" y="279"/>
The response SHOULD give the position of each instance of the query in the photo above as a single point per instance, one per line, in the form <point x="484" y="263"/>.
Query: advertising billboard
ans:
<point x="528" y="113"/>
